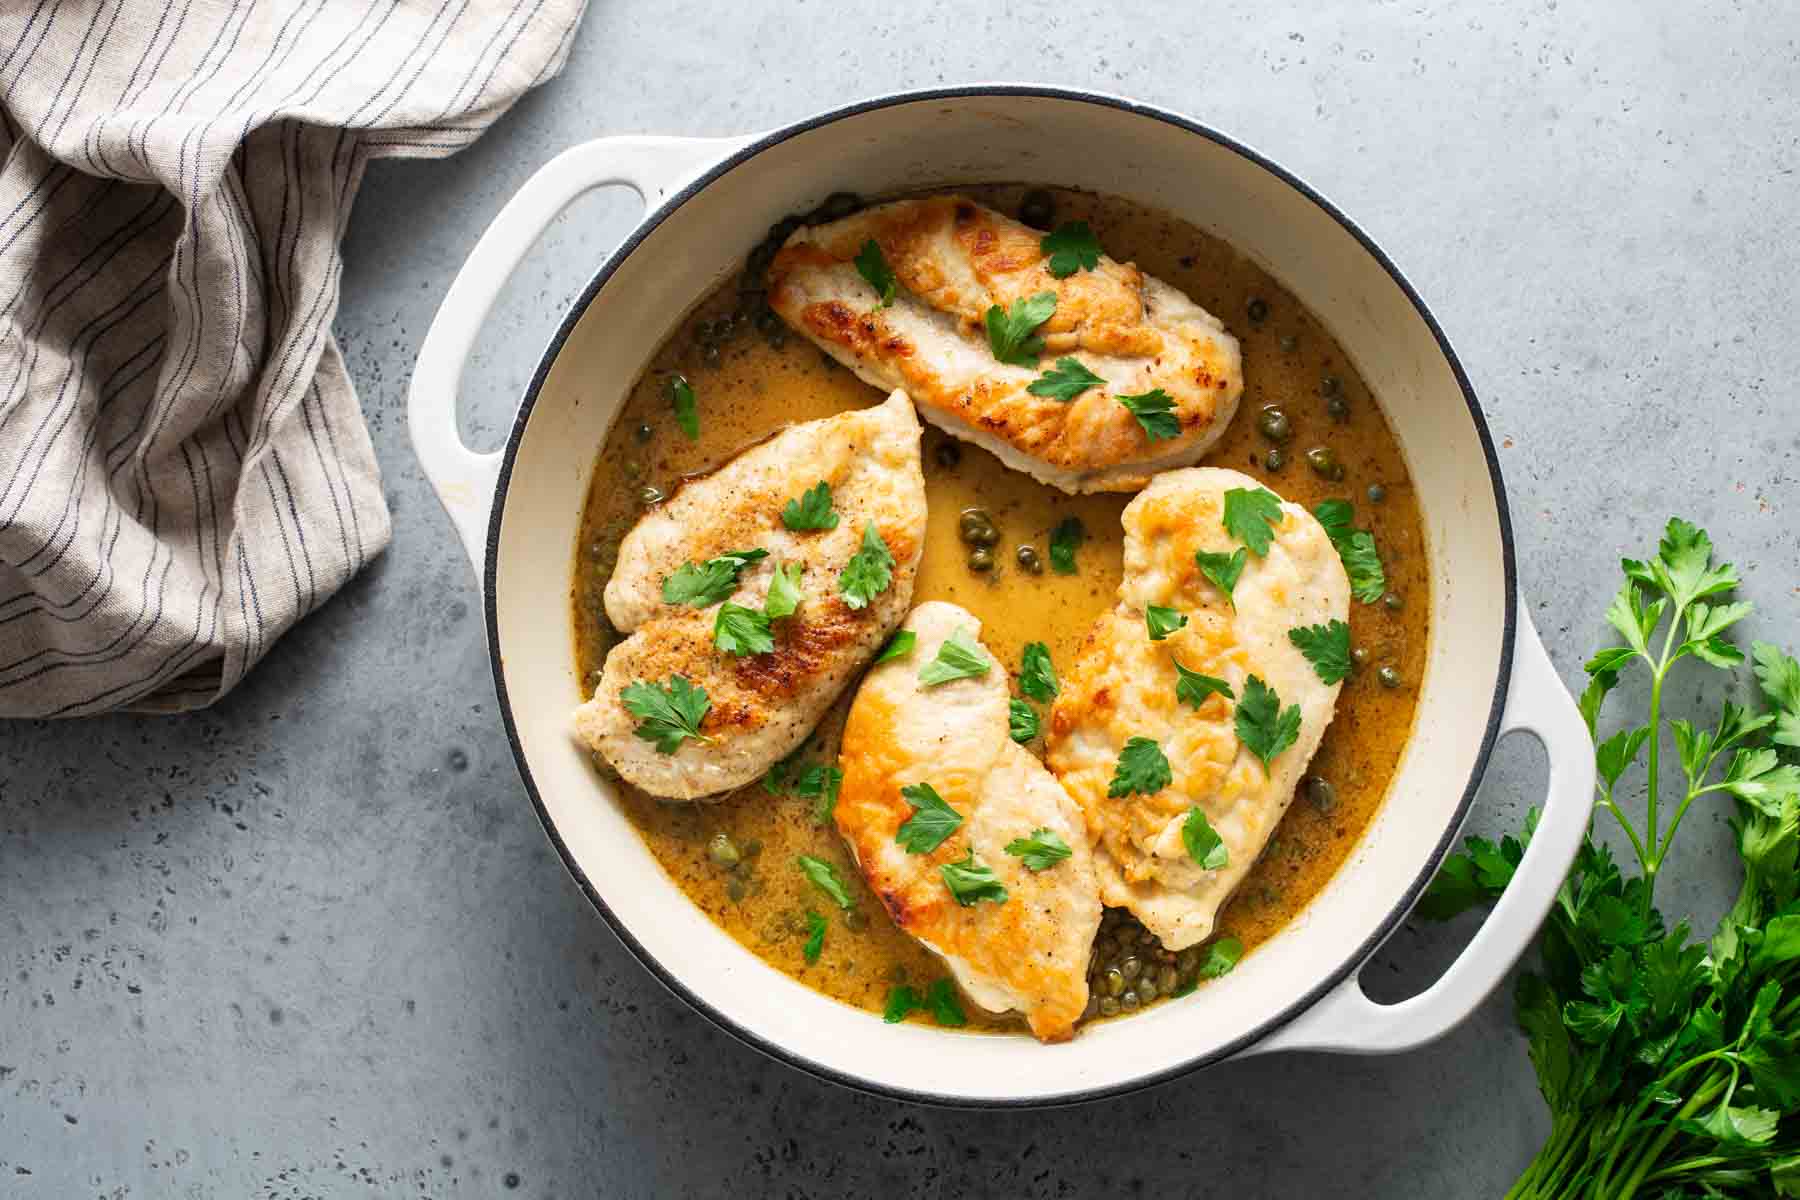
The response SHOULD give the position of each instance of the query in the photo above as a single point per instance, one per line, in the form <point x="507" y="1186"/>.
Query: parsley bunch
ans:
<point x="1671" y="1066"/>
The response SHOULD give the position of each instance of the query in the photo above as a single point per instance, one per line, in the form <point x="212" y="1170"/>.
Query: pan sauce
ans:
<point x="747" y="387"/>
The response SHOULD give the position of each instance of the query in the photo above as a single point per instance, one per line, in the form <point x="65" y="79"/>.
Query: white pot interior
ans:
<point x="991" y="138"/>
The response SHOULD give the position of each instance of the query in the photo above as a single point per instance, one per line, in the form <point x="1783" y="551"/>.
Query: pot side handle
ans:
<point x="465" y="480"/>
<point x="1346" y="1020"/>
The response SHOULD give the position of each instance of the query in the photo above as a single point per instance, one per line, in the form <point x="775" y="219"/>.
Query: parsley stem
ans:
<point x="1607" y="802"/>
<point x="1706" y="1094"/>
<point x="1660" y="668"/>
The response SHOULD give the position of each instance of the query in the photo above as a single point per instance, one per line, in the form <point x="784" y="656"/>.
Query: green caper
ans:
<point x="1320" y="792"/>
<point x="1029" y="560"/>
<point x="1324" y="461"/>
<point x="1330" y="385"/>
<point x="723" y="851"/>
<point x="1360" y="656"/>
<point x="757" y="265"/>
<point x="1037" y="209"/>
<point x="948" y="454"/>
<point x="1273" y="424"/>
<point x="1109" y="1007"/>
<point x="1130" y="1002"/>
<point x="855" y="920"/>
<point x="776" y="338"/>
<point x="1338" y="408"/>
<point x="1289" y="343"/>
<point x="633" y="470"/>
<point x="981" y="559"/>
<point x="1146" y="989"/>
<point x="709" y="354"/>
<point x="1258" y="310"/>
<point x="1131" y="968"/>
<point x="752" y="848"/>
<point x="978" y="528"/>
<point x="1376" y="493"/>
<point x="838" y="205"/>
<point x="724" y="329"/>
<point x="650" y="494"/>
<point x="1167" y="979"/>
<point x="1389" y="676"/>
<point x="767" y="322"/>
<point x="776" y="930"/>
<point x="1187" y="960"/>
<point x="1275" y="459"/>
<point x="1392" y="602"/>
<point x="645" y="433"/>
<point x="704" y="331"/>
<point x="736" y="887"/>
<point x="1112" y="982"/>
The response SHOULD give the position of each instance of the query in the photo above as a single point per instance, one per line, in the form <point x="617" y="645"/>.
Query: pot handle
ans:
<point x="1346" y="1020"/>
<point x="465" y="480"/>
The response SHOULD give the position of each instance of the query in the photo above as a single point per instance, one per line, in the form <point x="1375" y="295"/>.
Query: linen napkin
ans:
<point x="184" y="471"/>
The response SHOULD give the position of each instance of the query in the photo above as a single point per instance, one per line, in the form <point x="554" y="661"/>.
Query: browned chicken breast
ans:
<point x="697" y="589"/>
<point x="1125" y="687"/>
<point x="972" y="845"/>
<point x="954" y="260"/>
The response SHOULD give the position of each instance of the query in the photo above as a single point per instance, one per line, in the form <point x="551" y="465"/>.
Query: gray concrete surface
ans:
<point x="314" y="943"/>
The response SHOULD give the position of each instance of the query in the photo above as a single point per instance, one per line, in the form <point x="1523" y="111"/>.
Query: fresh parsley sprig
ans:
<point x="1326" y="647"/>
<point x="869" y="571"/>
<point x="873" y="267"/>
<point x="1192" y="688"/>
<point x="709" y="582"/>
<point x="1012" y="333"/>
<point x="1223" y="570"/>
<point x="1070" y="247"/>
<point x="1671" y="1067"/>
<point x="1065" y="539"/>
<point x="1037" y="675"/>
<point x="1265" y="728"/>
<point x="686" y="405"/>
<point x="1067" y="380"/>
<point x="812" y="510"/>
<point x="970" y="881"/>
<point x="1155" y="413"/>
<point x="1041" y="851"/>
<point x="1251" y="515"/>
<point x="932" y="822"/>
<point x="667" y="714"/>
<point x="1356" y="547"/>
<point x="1160" y="621"/>
<point x="1022" y="722"/>
<point x="1142" y="769"/>
<point x="959" y="656"/>
<point x="1203" y="843"/>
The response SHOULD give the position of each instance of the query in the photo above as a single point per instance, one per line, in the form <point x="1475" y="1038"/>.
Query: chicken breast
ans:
<point x="762" y="705"/>
<point x="1122" y="685"/>
<point x="953" y="260"/>
<point x="1028" y="952"/>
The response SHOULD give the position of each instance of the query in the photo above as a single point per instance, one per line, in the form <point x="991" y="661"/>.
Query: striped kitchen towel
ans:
<point x="184" y="472"/>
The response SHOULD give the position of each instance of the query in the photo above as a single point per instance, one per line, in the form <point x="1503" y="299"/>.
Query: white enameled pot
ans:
<point x="708" y="202"/>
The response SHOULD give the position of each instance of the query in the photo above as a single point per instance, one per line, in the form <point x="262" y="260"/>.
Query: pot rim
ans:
<point x="655" y="216"/>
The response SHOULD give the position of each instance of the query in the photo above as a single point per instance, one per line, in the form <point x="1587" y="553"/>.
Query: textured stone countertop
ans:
<point x="315" y="943"/>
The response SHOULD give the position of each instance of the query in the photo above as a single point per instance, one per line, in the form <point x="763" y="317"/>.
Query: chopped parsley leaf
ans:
<point x="667" y="715"/>
<point x="1067" y="380"/>
<point x="932" y="821"/>
<point x="1142" y="769"/>
<point x="1011" y="335"/>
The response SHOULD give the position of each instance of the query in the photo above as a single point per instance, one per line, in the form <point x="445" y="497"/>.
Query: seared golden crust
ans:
<point x="955" y="259"/>
<point x="1121" y="685"/>
<point x="763" y="705"/>
<point x="1029" y="953"/>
